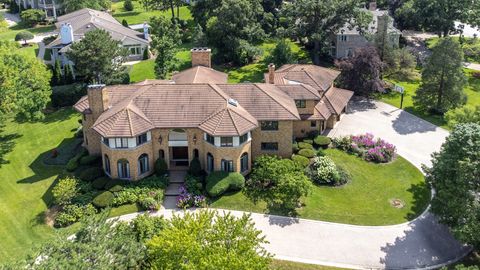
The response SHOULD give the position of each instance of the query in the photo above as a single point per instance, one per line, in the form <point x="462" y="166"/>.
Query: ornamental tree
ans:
<point x="443" y="80"/>
<point x="208" y="240"/>
<point x="279" y="182"/>
<point x="24" y="35"/>
<point x="455" y="176"/>
<point x="64" y="191"/>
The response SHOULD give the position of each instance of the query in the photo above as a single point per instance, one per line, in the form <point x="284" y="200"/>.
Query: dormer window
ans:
<point x="300" y="103"/>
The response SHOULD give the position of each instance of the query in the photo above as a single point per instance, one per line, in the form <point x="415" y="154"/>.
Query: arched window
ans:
<point x="195" y="153"/>
<point x="210" y="162"/>
<point x="161" y="154"/>
<point x="123" y="169"/>
<point x="226" y="165"/>
<point x="244" y="162"/>
<point x="143" y="164"/>
<point x="106" y="162"/>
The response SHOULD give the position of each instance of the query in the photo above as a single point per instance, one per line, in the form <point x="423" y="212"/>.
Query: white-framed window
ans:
<point x="121" y="142"/>
<point x="226" y="141"/>
<point x="343" y="38"/>
<point x="243" y="138"/>
<point x="123" y="169"/>
<point x="134" y="49"/>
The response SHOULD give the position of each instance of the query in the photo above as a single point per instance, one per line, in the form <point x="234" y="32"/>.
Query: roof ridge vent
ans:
<point x="233" y="102"/>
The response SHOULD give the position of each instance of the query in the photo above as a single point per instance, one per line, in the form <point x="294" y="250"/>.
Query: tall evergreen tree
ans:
<point x="57" y="73"/>
<point x="68" y="74"/>
<point x="443" y="80"/>
<point x="165" y="40"/>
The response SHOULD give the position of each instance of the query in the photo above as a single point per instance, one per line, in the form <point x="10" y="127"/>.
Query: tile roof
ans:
<point x="230" y="120"/>
<point x="316" y="76"/>
<point x="338" y="98"/>
<point x="300" y="91"/>
<point x="200" y="74"/>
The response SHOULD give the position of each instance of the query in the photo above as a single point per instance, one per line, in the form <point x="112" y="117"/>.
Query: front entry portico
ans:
<point x="179" y="155"/>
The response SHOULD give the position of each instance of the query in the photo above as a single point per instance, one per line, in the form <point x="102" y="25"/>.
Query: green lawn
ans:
<point x="472" y="91"/>
<point x="249" y="73"/>
<point x="286" y="265"/>
<point x="139" y="15"/>
<point x="470" y="46"/>
<point x="363" y="201"/>
<point x="12" y="31"/>
<point x="26" y="181"/>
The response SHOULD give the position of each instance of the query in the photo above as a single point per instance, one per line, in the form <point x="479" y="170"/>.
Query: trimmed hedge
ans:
<point x="322" y="141"/>
<point x="303" y="161"/>
<point x="104" y="199"/>
<point x="304" y="145"/>
<point x="89" y="160"/>
<point x="116" y="188"/>
<point x="91" y="174"/>
<point x="220" y="182"/>
<point x="160" y="167"/>
<point x="309" y="141"/>
<point x="100" y="183"/>
<point x="195" y="168"/>
<point x="308" y="153"/>
<point x="113" y="182"/>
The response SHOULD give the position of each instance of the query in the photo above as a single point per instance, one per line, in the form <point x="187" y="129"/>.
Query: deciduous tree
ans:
<point x="23" y="35"/>
<point x="442" y="79"/>
<point x="362" y="72"/>
<point x="316" y="21"/>
<point x="208" y="240"/>
<point x="24" y="83"/>
<point x="32" y="16"/>
<point x="465" y="114"/>
<point x="72" y="5"/>
<point x="282" y="54"/>
<point x="165" y="41"/>
<point x="455" y="176"/>
<point x="97" y="56"/>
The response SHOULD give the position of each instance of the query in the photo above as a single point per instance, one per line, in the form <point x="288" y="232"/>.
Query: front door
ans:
<point x="180" y="153"/>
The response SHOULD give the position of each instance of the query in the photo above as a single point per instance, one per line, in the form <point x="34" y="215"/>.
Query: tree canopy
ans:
<point x="314" y="21"/>
<point x="72" y="5"/>
<point x="443" y="80"/>
<point x="465" y="114"/>
<point x="23" y="35"/>
<point x="24" y="83"/>
<point x="208" y="240"/>
<point x="165" y="40"/>
<point x="455" y="176"/>
<point x="97" y="57"/>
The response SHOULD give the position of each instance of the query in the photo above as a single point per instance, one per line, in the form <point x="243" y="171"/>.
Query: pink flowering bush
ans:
<point x="367" y="147"/>
<point x="187" y="199"/>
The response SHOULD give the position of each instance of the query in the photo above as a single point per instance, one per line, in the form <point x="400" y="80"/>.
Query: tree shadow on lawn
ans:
<point x="424" y="243"/>
<point x="421" y="198"/>
<point x="7" y="143"/>
<point x="59" y="115"/>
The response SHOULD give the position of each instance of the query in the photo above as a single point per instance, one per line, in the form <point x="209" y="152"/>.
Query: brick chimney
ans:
<point x="201" y="57"/>
<point x="271" y="73"/>
<point x="372" y="6"/>
<point x="97" y="99"/>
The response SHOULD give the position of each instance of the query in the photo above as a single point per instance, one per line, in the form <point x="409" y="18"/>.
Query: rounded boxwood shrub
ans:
<point x="91" y="174"/>
<point x="303" y="161"/>
<point x="221" y="182"/>
<point x="116" y="188"/>
<point x="308" y="153"/>
<point x="322" y="141"/>
<point x="100" y="183"/>
<point x="72" y="164"/>
<point x="309" y="141"/>
<point x="160" y="167"/>
<point x="103" y="199"/>
<point x="89" y="160"/>
<point x="113" y="182"/>
<point x="304" y="145"/>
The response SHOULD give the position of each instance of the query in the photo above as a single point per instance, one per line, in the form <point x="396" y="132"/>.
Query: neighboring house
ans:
<point x="348" y="39"/>
<point x="73" y="26"/>
<point x="197" y="114"/>
<point x="52" y="8"/>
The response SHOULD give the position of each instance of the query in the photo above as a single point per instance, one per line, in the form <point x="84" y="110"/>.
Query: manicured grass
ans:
<point x="286" y="265"/>
<point x="470" y="46"/>
<point x="12" y="31"/>
<point x="472" y="91"/>
<point x="139" y="15"/>
<point x="363" y="201"/>
<point x="146" y="68"/>
<point x="26" y="182"/>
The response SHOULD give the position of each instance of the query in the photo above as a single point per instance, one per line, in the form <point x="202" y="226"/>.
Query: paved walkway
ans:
<point x="11" y="19"/>
<point x="474" y="66"/>
<point x="422" y="243"/>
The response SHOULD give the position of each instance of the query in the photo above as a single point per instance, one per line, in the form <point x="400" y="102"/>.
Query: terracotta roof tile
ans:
<point x="338" y="98"/>
<point x="200" y="74"/>
<point x="300" y="91"/>
<point x="316" y="76"/>
<point x="229" y="121"/>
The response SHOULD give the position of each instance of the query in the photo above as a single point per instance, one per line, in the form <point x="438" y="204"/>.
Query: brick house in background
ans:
<point x="348" y="39"/>
<point x="198" y="114"/>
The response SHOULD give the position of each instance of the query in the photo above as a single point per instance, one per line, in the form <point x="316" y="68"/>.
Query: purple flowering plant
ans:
<point x="367" y="147"/>
<point x="187" y="199"/>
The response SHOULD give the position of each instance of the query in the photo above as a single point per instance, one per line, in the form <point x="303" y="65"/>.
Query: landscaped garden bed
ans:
<point x="353" y="188"/>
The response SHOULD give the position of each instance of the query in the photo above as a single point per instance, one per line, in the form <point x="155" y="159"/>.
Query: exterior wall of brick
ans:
<point x="283" y="136"/>
<point x="132" y="156"/>
<point x="309" y="107"/>
<point x="228" y="153"/>
<point x="332" y="120"/>
<point x="92" y="139"/>
<point x="302" y="128"/>
<point x="201" y="57"/>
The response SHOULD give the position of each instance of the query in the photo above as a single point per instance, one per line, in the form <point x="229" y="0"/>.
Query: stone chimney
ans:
<point x="201" y="57"/>
<point x="372" y="6"/>
<point x="97" y="99"/>
<point x="271" y="73"/>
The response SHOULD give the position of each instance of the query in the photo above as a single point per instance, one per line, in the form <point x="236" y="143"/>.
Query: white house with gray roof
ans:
<point x="72" y="27"/>
<point x="349" y="38"/>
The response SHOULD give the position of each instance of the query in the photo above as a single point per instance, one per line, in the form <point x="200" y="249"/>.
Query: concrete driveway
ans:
<point x="415" y="138"/>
